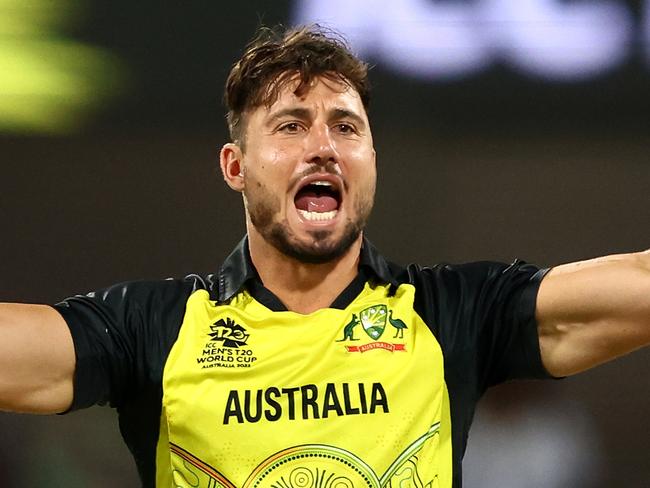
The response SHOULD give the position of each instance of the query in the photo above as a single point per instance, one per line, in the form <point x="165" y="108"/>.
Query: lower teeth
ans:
<point x="318" y="215"/>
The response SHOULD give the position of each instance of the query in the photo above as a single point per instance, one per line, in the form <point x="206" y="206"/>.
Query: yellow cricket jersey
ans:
<point x="218" y="385"/>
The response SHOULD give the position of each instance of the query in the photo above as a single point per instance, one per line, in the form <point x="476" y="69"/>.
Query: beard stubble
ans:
<point x="263" y="206"/>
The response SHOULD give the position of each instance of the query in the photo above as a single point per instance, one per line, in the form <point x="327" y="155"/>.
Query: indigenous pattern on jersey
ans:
<point x="218" y="385"/>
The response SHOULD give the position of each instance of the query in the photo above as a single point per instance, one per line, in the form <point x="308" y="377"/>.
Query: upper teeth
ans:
<point x="321" y="183"/>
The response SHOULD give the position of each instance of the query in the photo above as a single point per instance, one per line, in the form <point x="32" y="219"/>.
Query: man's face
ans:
<point x="309" y="171"/>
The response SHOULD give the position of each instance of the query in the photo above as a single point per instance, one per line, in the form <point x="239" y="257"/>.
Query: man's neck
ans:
<point x="303" y="287"/>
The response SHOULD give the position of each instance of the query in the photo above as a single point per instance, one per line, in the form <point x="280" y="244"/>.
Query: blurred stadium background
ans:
<point x="503" y="129"/>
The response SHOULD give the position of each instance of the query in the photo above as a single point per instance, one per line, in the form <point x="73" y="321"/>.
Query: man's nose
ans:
<point x="321" y="148"/>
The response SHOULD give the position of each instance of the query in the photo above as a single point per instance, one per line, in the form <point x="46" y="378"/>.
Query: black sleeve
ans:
<point x="483" y="315"/>
<point x="122" y="336"/>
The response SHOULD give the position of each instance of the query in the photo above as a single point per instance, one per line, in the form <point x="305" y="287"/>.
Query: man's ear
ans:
<point x="230" y="160"/>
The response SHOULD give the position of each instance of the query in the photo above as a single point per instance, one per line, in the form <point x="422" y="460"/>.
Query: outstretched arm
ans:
<point x="593" y="311"/>
<point x="37" y="359"/>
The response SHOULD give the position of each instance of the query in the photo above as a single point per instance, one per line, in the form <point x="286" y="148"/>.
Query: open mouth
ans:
<point x="318" y="200"/>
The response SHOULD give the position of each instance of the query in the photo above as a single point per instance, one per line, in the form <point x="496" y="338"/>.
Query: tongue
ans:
<point x="311" y="202"/>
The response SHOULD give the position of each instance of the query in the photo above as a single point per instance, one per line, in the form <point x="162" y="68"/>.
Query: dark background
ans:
<point x="497" y="166"/>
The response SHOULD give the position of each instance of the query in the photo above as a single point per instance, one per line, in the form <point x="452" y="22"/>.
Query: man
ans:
<point x="241" y="378"/>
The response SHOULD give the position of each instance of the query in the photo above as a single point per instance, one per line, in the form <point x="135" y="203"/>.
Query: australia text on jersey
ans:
<point x="305" y="402"/>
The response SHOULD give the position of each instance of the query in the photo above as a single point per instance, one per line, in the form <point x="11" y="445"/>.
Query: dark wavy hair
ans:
<point x="275" y="56"/>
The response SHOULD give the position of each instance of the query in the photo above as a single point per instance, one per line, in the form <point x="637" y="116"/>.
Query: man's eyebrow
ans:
<point x="303" y="113"/>
<point x="343" y="113"/>
<point x="297" y="112"/>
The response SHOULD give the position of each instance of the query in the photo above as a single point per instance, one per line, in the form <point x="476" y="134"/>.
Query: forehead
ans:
<point x="321" y="93"/>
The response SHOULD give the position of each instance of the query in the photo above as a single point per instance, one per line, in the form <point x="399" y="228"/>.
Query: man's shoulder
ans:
<point x="151" y="290"/>
<point x="444" y="271"/>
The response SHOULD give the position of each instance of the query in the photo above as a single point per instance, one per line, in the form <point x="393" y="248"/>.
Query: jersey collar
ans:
<point x="238" y="268"/>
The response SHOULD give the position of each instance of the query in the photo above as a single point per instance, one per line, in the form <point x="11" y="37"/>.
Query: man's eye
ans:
<point x="290" y="128"/>
<point x="345" y="129"/>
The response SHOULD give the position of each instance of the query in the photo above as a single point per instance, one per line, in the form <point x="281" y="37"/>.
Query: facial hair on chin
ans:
<point x="262" y="208"/>
<point x="319" y="251"/>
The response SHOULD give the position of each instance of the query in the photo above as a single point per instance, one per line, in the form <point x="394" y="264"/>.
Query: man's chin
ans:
<point x="319" y="247"/>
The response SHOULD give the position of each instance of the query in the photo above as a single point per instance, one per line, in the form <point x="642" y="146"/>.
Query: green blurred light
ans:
<point x="49" y="84"/>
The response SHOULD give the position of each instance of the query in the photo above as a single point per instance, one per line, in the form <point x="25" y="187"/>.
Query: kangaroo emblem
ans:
<point x="348" y="330"/>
